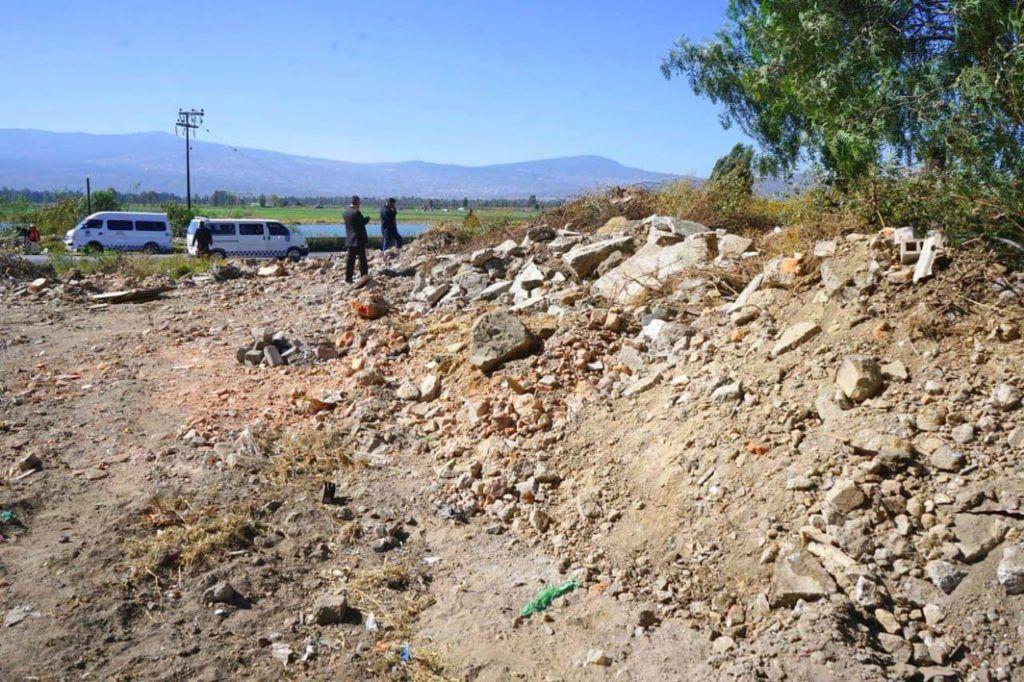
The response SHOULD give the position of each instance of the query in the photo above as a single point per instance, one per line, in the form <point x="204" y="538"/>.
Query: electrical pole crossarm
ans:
<point x="188" y="121"/>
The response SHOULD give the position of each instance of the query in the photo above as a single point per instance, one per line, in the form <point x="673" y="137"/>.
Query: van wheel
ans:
<point x="217" y="253"/>
<point x="151" y="248"/>
<point x="294" y="255"/>
<point x="94" y="246"/>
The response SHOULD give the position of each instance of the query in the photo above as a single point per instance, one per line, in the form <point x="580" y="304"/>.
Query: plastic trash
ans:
<point x="546" y="596"/>
<point x="406" y="654"/>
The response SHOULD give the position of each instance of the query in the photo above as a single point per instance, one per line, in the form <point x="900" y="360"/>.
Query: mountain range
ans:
<point x="41" y="160"/>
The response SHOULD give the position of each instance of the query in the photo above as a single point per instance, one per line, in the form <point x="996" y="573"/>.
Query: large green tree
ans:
<point x="851" y="84"/>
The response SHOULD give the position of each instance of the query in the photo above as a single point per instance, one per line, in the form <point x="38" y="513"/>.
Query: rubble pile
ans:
<point x="822" y="450"/>
<point x="813" y="457"/>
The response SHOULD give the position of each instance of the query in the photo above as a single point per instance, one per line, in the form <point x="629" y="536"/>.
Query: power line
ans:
<point x="188" y="121"/>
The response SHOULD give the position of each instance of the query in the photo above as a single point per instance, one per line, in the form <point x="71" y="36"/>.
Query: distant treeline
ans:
<point x="225" y="198"/>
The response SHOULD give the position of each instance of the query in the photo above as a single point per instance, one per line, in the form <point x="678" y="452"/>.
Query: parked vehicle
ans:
<point x="249" y="238"/>
<point x="121" y="231"/>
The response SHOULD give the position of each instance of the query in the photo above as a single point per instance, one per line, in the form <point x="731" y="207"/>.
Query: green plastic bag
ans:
<point x="546" y="596"/>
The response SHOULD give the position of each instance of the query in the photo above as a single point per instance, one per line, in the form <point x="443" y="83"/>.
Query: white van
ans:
<point x="249" y="238"/>
<point x="121" y="231"/>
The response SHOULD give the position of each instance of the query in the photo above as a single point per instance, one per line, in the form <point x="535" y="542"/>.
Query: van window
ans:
<point x="222" y="229"/>
<point x="93" y="224"/>
<point x="277" y="230"/>
<point x="250" y="229"/>
<point x="119" y="225"/>
<point x="150" y="226"/>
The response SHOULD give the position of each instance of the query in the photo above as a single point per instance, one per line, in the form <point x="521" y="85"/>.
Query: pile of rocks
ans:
<point x="274" y="349"/>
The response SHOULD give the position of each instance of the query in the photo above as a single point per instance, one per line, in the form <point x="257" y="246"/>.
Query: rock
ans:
<point x="494" y="290"/>
<point x="900" y="649"/>
<point x="529" y="277"/>
<point x="919" y="592"/>
<point x="948" y="459"/>
<point x="728" y="392"/>
<point x="540" y="233"/>
<point x="895" y="371"/>
<point x="866" y="593"/>
<point x="1015" y="439"/>
<point x="798" y="575"/>
<point x="617" y="224"/>
<point x="944" y="575"/>
<point x="649" y="269"/>
<point x="38" y="284"/>
<point x="408" y="391"/>
<point x="799" y="483"/>
<point x="432" y="294"/>
<point x="29" y="462"/>
<point x="540" y="520"/>
<point x="330" y="609"/>
<point x="722" y="644"/>
<point x="272" y="356"/>
<point x="282" y="652"/>
<point x="1005" y="397"/>
<point x="933" y="614"/>
<point x="597" y="657"/>
<point x="370" y="305"/>
<point x="588" y="507"/>
<point x="479" y="258"/>
<point x="220" y="593"/>
<point x="844" y="496"/>
<point x="663" y="335"/>
<point x="748" y="291"/>
<point x="584" y="259"/>
<point x="272" y="270"/>
<point x="859" y="378"/>
<point x="794" y="336"/>
<point x="931" y="418"/>
<point x="733" y="245"/>
<point x="641" y="385"/>
<point x="825" y="248"/>
<point x="430" y="388"/>
<point x="962" y="434"/>
<point x="1010" y="571"/>
<point x="496" y="338"/>
<point x="325" y="351"/>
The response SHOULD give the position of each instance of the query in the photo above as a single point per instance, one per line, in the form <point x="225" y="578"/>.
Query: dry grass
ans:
<point x="307" y="454"/>
<point x="188" y="537"/>
<point x="395" y="592"/>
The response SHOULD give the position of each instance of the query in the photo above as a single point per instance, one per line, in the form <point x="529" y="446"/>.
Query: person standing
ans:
<point x="389" y="226"/>
<point x="33" y="239"/>
<point x="355" y="239"/>
<point x="203" y="239"/>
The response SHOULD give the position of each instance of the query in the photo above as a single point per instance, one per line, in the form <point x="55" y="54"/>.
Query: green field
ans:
<point x="308" y="215"/>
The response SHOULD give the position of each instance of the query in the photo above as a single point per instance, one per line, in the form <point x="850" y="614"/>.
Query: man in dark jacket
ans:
<point x="203" y="240"/>
<point x="389" y="226"/>
<point x="355" y="239"/>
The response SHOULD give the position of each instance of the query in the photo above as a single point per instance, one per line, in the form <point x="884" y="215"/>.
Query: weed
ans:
<point x="187" y="537"/>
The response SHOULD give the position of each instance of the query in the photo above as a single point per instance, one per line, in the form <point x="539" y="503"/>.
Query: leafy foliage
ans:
<point x="736" y="168"/>
<point x="102" y="200"/>
<point x="854" y="84"/>
<point x="179" y="216"/>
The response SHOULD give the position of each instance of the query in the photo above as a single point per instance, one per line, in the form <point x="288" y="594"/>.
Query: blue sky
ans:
<point x="455" y="82"/>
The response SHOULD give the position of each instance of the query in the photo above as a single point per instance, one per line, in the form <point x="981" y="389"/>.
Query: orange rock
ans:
<point x="756" y="448"/>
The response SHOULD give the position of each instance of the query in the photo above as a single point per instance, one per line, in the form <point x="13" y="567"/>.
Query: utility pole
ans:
<point x="188" y="121"/>
<point x="88" y="197"/>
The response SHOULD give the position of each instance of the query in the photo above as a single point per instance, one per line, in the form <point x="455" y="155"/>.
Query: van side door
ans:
<point x="224" y="236"/>
<point x="252" y="240"/>
<point x="278" y="239"/>
<point x="120" y="235"/>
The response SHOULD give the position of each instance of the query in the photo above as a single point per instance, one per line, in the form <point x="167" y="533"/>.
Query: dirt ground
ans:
<point x="174" y="525"/>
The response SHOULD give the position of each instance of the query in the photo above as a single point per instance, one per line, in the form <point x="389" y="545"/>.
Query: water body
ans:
<point x="372" y="230"/>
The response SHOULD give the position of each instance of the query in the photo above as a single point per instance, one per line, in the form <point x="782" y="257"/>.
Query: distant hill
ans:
<point x="39" y="160"/>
